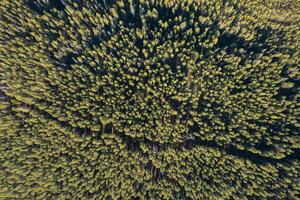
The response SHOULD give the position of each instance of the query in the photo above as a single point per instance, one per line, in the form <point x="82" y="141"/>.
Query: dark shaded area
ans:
<point x="229" y="149"/>
<point x="68" y="60"/>
<point x="247" y="80"/>
<point x="2" y="94"/>
<point x="173" y="119"/>
<point x="93" y="41"/>
<point x="264" y="146"/>
<point x="260" y="42"/>
<point x="131" y="143"/>
<point x="202" y="104"/>
<point x="39" y="8"/>
<point x="23" y="34"/>
<point x="34" y="6"/>
<point x="100" y="5"/>
<point x="56" y="4"/>
<point x="131" y="20"/>
<point x="225" y="117"/>
<point x="293" y="130"/>
<point x="263" y="35"/>
<point x="195" y="128"/>
<point x="108" y="197"/>
<point x="173" y="63"/>
<point x="51" y="36"/>
<point x="100" y="91"/>
<point x="139" y="43"/>
<point x="174" y="104"/>
<point x="152" y="23"/>
<point x="244" y="154"/>
<point x="275" y="59"/>
<point x="108" y="128"/>
<point x="230" y="41"/>
<point x="235" y="91"/>
<point x="288" y="93"/>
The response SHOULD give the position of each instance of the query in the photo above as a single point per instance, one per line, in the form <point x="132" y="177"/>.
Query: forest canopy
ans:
<point x="136" y="99"/>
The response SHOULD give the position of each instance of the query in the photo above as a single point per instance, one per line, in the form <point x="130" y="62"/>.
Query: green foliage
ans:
<point x="149" y="99"/>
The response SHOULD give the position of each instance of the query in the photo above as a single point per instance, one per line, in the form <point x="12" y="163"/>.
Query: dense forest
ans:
<point x="150" y="99"/>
